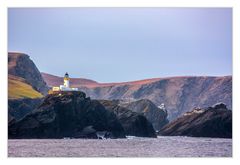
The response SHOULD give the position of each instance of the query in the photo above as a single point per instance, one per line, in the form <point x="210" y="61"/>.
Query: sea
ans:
<point x="163" y="146"/>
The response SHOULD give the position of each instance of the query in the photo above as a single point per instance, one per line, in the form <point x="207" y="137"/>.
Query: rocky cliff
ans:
<point x="179" y="94"/>
<point x="20" y="65"/>
<point x="214" y="121"/>
<point x="67" y="114"/>
<point x="157" y="116"/>
<point x="18" y="108"/>
<point x="134" y="124"/>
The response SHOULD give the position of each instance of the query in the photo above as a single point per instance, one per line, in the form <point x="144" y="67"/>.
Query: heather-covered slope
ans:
<point x="20" y="65"/>
<point x="52" y="80"/>
<point x="179" y="94"/>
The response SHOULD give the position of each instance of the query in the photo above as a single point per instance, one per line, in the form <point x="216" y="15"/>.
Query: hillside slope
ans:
<point x="18" y="88"/>
<point x="179" y="94"/>
<point x="20" y="65"/>
<point x="52" y="80"/>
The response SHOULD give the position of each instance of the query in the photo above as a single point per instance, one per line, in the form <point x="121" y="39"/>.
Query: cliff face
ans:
<point x="20" y="65"/>
<point x="179" y="94"/>
<point x="214" y="121"/>
<point x="18" y="108"/>
<point x="134" y="124"/>
<point x="157" y="116"/>
<point x="67" y="114"/>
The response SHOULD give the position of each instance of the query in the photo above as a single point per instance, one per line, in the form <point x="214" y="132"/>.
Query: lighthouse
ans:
<point x="65" y="86"/>
<point x="66" y="80"/>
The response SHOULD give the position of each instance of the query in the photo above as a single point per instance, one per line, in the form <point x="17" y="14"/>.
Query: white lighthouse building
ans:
<point x="65" y="86"/>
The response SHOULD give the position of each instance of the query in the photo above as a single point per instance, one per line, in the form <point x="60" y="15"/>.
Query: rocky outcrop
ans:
<point x="214" y="121"/>
<point x="134" y="124"/>
<point x="18" y="108"/>
<point x="157" y="116"/>
<point x="20" y="65"/>
<point x="67" y="114"/>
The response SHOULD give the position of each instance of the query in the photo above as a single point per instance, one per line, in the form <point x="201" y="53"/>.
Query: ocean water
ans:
<point x="162" y="146"/>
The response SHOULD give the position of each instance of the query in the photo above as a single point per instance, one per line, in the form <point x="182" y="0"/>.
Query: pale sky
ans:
<point x="124" y="44"/>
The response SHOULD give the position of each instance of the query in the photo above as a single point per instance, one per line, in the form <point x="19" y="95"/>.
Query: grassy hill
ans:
<point x="21" y="65"/>
<point x="18" y="88"/>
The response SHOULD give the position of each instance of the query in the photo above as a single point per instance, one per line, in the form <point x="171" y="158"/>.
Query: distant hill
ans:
<point x="21" y="66"/>
<point x="52" y="80"/>
<point x="179" y="94"/>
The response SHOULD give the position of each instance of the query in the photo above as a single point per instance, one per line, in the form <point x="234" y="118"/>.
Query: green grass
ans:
<point x="18" y="88"/>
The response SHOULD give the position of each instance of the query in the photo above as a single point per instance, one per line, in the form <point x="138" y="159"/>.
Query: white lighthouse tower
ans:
<point x="66" y="80"/>
<point x="65" y="86"/>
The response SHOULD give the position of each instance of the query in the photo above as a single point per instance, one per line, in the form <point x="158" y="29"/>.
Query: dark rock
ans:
<point x="220" y="106"/>
<point x="18" y="108"/>
<point x="87" y="132"/>
<point x="11" y="119"/>
<point x="210" y="122"/>
<point x="66" y="114"/>
<point x="133" y="123"/>
<point x="157" y="116"/>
